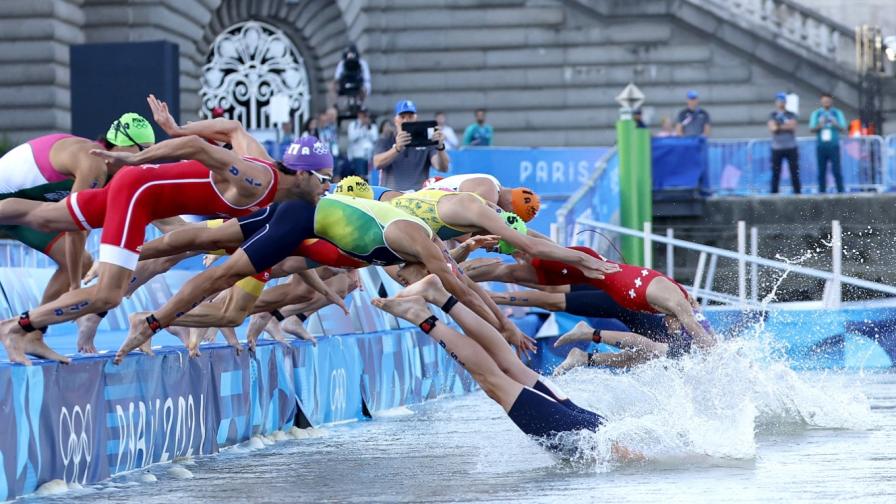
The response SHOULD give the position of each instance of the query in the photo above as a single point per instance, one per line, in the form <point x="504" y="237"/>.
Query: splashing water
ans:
<point x="705" y="408"/>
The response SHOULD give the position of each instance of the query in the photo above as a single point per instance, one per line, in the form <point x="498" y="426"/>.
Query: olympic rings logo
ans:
<point x="338" y="392"/>
<point x="74" y="441"/>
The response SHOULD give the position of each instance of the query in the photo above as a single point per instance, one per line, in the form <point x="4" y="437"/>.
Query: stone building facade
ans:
<point x="547" y="70"/>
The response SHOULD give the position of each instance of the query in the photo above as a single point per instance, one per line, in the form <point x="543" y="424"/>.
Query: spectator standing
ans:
<point x="328" y="133"/>
<point x="451" y="141"/>
<point x="693" y="120"/>
<point x="667" y="129"/>
<point x="479" y="134"/>
<point x="362" y="136"/>
<point x="782" y="124"/>
<point x="405" y="167"/>
<point x="638" y="117"/>
<point x="310" y="127"/>
<point x="827" y="122"/>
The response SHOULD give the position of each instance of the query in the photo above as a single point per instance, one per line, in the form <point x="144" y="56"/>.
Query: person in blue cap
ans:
<point x="405" y="167"/>
<point x="782" y="123"/>
<point x="693" y="120"/>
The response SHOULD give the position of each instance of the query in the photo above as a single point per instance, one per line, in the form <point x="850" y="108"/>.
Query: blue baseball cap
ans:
<point x="692" y="95"/>
<point x="404" y="107"/>
<point x="781" y="97"/>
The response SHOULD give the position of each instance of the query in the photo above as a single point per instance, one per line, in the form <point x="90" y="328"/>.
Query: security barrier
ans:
<point x="90" y="420"/>
<point x="743" y="166"/>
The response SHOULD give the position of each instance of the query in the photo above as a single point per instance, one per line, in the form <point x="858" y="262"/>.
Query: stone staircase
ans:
<point x="547" y="70"/>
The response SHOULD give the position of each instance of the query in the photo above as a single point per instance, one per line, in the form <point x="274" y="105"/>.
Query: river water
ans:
<point x="737" y="426"/>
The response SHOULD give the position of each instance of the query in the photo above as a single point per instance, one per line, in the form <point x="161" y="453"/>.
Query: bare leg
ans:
<point x="146" y="270"/>
<point x="194" y="237"/>
<point x="465" y="351"/>
<point x="580" y="358"/>
<point x="431" y="289"/>
<point x="59" y="282"/>
<point x="37" y="215"/>
<point x="667" y="298"/>
<point x="106" y="294"/>
<point x="619" y="339"/>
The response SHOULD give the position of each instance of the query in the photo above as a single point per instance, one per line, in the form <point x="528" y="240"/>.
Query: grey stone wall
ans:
<point x="547" y="71"/>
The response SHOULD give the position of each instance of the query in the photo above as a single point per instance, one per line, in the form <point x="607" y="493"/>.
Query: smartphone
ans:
<point x="421" y="133"/>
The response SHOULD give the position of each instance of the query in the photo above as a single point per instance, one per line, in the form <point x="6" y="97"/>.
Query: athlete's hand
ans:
<point x="114" y="159"/>
<point x="595" y="268"/>
<point x="523" y="343"/>
<point x="91" y="273"/>
<point x="486" y="242"/>
<point x="162" y="116"/>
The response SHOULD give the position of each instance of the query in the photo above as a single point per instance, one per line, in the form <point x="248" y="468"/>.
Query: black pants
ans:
<point x="829" y="152"/>
<point x="793" y="163"/>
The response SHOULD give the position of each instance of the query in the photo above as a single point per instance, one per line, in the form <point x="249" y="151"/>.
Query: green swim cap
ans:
<point x="514" y="221"/>
<point x="130" y="129"/>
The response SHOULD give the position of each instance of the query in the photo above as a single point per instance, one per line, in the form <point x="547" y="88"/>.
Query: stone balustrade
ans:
<point x="795" y="25"/>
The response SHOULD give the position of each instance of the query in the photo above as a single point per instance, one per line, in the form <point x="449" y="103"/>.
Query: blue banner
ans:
<point x="678" y="162"/>
<point x="90" y="420"/>
<point x="547" y="171"/>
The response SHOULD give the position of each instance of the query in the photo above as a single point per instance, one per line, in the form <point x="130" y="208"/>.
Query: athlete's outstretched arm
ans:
<point x="217" y="159"/>
<point x="221" y="130"/>
<point x="90" y="173"/>
<point x="482" y="216"/>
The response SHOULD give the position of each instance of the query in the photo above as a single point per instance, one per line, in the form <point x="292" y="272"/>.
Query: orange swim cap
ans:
<point x="525" y="203"/>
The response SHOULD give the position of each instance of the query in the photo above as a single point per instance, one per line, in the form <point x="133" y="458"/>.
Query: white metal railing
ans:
<point x="709" y="256"/>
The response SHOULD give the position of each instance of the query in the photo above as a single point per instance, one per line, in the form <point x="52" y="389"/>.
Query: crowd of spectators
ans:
<point x="826" y="122"/>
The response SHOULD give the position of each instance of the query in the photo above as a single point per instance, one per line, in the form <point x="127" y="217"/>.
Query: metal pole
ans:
<point x="837" y="266"/>
<point x="648" y="245"/>
<point x="742" y="262"/>
<point x="698" y="275"/>
<point x="754" y="273"/>
<point x="670" y="254"/>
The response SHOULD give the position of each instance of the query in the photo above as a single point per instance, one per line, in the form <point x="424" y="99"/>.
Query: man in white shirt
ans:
<point x="362" y="136"/>
<point x="451" y="141"/>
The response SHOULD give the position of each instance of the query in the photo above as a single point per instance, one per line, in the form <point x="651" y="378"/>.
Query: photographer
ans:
<point x="352" y="77"/>
<point x="403" y="166"/>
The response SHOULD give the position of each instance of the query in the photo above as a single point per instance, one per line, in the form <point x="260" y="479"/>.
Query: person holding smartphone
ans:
<point x="403" y="166"/>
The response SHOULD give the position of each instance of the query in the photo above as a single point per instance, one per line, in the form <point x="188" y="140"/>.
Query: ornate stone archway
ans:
<point x="246" y="66"/>
<point x="315" y="30"/>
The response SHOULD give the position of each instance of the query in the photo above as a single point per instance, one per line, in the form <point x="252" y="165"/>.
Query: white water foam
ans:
<point x="710" y="405"/>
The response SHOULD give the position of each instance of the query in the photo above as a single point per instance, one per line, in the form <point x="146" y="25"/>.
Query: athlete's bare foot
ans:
<point x="413" y="308"/>
<point x="87" y="326"/>
<point x="275" y="331"/>
<point x="197" y="335"/>
<point x="257" y="324"/>
<point x="295" y="327"/>
<point x="138" y="336"/>
<point x="12" y="336"/>
<point x="182" y="333"/>
<point x="581" y="332"/>
<point x="429" y="288"/>
<point x="229" y="334"/>
<point x="33" y="344"/>
<point x="576" y="358"/>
